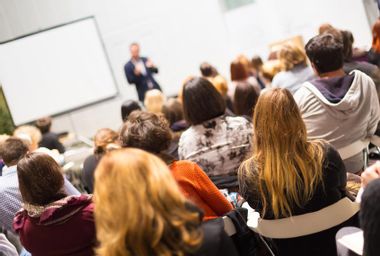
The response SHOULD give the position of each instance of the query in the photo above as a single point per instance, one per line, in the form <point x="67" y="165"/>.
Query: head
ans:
<point x="134" y="48"/>
<point x="44" y="124"/>
<point x="154" y="100"/>
<point x="286" y="165"/>
<point x="270" y="69"/>
<point x="172" y="110"/>
<point x="245" y="99"/>
<point x="220" y="85"/>
<point x="207" y="70"/>
<point x="238" y="71"/>
<point x="376" y="36"/>
<point x="151" y="218"/>
<point x="105" y="140"/>
<point x="40" y="179"/>
<point x="127" y="107"/>
<point x="12" y="150"/>
<point x="201" y="101"/>
<point x="30" y="135"/>
<point x="325" y="27"/>
<point x="291" y="55"/>
<point x="245" y="61"/>
<point x="369" y="218"/>
<point x="256" y="63"/>
<point x="146" y="131"/>
<point x="348" y="41"/>
<point x="325" y="52"/>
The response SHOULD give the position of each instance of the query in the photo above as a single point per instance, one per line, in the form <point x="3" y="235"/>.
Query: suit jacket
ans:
<point x="141" y="81"/>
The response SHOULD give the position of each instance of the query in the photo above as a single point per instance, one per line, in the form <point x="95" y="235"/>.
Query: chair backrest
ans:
<point x="229" y="226"/>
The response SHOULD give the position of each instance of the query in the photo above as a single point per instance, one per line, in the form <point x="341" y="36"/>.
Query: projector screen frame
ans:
<point x="117" y="93"/>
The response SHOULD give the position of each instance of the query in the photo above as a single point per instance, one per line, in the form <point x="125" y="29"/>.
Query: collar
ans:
<point x="9" y="170"/>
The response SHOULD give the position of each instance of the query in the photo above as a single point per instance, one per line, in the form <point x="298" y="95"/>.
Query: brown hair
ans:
<point x="238" y="71"/>
<point x="147" y="131"/>
<point x="245" y="99"/>
<point x="40" y="179"/>
<point x="44" y="124"/>
<point x="148" y="214"/>
<point x="172" y="110"/>
<point x="291" y="55"/>
<point x="12" y="150"/>
<point x="102" y="139"/>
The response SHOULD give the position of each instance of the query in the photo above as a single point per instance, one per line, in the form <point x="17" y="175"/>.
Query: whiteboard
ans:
<point x="55" y="71"/>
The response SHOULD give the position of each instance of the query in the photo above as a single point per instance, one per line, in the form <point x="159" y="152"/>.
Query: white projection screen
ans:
<point x="55" y="71"/>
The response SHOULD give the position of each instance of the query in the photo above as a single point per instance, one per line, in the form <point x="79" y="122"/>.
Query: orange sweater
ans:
<point x="198" y="188"/>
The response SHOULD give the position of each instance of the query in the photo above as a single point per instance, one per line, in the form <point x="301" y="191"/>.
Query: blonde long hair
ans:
<point x="139" y="209"/>
<point x="284" y="165"/>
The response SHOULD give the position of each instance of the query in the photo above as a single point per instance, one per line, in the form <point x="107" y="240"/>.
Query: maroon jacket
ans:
<point x="65" y="228"/>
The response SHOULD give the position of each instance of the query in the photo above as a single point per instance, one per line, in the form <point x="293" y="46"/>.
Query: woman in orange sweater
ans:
<point x="151" y="133"/>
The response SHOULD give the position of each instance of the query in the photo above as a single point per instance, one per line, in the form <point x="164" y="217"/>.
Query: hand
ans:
<point x="137" y="71"/>
<point x="149" y="64"/>
<point x="370" y="174"/>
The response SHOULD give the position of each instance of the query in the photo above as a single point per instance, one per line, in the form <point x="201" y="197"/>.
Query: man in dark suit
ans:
<point x="139" y="71"/>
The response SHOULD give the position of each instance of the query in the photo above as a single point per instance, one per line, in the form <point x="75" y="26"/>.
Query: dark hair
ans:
<point x="238" y="71"/>
<point x="207" y="70"/>
<point x="12" y="150"/>
<point x="40" y="179"/>
<point x="245" y="99"/>
<point x="44" y="124"/>
<point x="325" y="52"/>
<point x="257" y="62"/>
<point x="201" y="101"/>
<point x="147" y="131"/>
<point x="348" y="41"/>
<point x="127" y="107"/>
<point x="369" y="218"/>
<point x="172" y="110"/>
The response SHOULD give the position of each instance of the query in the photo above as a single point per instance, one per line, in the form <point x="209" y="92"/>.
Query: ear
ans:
<point x="315" y="69"/>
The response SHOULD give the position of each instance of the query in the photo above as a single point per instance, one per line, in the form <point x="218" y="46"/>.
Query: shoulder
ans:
<point x="278" y="78"/>
<point x="238" y="122"/>
<point x="128" y="65"/>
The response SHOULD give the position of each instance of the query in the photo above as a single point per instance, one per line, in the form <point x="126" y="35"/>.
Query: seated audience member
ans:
<point x="151" y="133"/>
<point x="288" y="175"/>
<point x="6" y="248"/>
<point x="152" y="217"/>
<point x="127" y="107"/>
<point x="207" y="70"/>
<point x="295" y="69"/>
<point x="12" y="150"/>
<point x="240" y="73"/>
<point x="371" y="70"/>
<point x="269" y="70"/>
<point x="3" y="137"/>
<point x="154" y="100"/>
<point x="172" y="110"/>
<point x="49" y="139"/>
<point x="256" y="70"/>
<point x="374" y="52"/>
<point x="104" y="141"/>
<point x="216" y="142"/>
<point x="221" y="86"/>
<point x="51" y="222"/>
<point x="338" y="107"/>
<point x="245" y="99"/>
<point x="325" y="27"/>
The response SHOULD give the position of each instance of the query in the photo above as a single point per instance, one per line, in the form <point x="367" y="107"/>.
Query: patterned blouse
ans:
<point x="218" y="145"/>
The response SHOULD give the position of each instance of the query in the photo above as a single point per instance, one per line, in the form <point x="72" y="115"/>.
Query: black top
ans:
<point x="88" y="170"/>
<point x="332" y="190"/>
<point x="50" y="140"/>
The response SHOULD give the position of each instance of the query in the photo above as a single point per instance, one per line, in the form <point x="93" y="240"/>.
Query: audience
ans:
<point x="245" y="99"/>
<point x="222" y="87"/>
<point x="12" y="150"/>
<point x="49" y="139"/>
<point x="51" y="222"/>
<point x="172" y="110"/>
<point x="256" y="70"/>
<point x="207" y="70"/>
<point x="289" y="175"/>
<point x="374" y="53"/>
<point x="240" y="73"/>
<point x="104" y="140"/>
<point x="151" y="133"/>
<point x="340" y="108"/>
<point x="295" y="69"/>
<point x="216" y="142"/>
<point x="154" y="100"/>
<point x="127" y="107"/>
<point x="3" y="137"/>
<point x="152" y="218"/>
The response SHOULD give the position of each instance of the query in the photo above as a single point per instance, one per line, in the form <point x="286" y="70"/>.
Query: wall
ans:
<point x="177" y="35"/>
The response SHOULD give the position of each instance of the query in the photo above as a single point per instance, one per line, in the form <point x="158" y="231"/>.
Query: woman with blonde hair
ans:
<point x="148" y="215"/>
<point x="288" y="175"/>
<point x="295" y="70"/>
<point x="154" y="100"/>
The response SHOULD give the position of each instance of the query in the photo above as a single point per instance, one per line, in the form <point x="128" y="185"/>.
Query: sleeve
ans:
<point x="335" y="171"/>
<point x="249" y="192"/>
<point x="6" y="247"/>
<point x="70" y="189"/>
<point x="58" y="145"/>
<point x="153" y="69"/>
<point x="210" y="193"/>
<point x="129" y="73"/>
